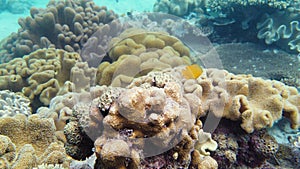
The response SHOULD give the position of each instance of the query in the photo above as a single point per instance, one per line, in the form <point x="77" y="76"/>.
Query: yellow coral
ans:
<point x="39" y="75"/>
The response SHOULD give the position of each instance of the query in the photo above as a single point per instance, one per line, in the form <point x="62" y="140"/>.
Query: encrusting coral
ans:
<point x="63" y="24"/>
<point x="256" y="102"/>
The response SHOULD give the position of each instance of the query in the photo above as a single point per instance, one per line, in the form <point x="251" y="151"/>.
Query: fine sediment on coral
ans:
<point x="27" y="142"/>
<point x="159" y="104"/>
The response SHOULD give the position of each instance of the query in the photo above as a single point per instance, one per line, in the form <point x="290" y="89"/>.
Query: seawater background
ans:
<point x="9" y="21"/>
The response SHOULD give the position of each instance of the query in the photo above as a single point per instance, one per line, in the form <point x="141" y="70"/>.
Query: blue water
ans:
<point x="10" y="20"/>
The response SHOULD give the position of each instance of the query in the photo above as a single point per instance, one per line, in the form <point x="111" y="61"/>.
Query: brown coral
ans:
<point x="40" y="75"/>
<point x="256" y="102"/>
<point x="32" y="139"/>
<point x="141" y="51"/>
<point x="63" y="24"/>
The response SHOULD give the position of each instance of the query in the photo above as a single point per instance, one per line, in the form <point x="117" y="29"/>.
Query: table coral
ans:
<point x="63" y="25"/>
<point x="39" y="75"/>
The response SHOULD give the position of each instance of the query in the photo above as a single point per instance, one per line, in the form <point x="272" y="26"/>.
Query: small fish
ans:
<point x="192" y="71"/>
<point x="117" y="1"/>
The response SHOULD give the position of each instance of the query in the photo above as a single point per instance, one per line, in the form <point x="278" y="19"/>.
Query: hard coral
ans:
<point x="281" y="28"/>
<point x="39" y="75"/>
<point x="143" y="52"/>
<point x="33" y="139"/>
<point x="256" y="102"/>
<point x="150" y="113"/>
<point x="13" y="103"/>
<point x="63" y="24"/>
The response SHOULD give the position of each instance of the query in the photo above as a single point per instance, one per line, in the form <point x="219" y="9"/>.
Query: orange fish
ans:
<point x="192" y="71"/>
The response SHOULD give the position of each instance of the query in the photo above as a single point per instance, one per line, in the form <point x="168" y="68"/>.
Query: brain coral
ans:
<point x="63" y="24"/>
<point x="13" y="103"/>
<point x="39" y="75"/>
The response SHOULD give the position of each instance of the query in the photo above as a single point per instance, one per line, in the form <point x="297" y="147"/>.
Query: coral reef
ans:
<point x="13" y="103"/>
<point x="257" y="103"/>
<point x="63" y="24"/>
<point x="177" y="7"/>
<point x="61" y="106"/>
<point x="132" y="123"/>
<point x="121" y="128"/>
<point x="7" y="151"/>
<point x="30" y="141"/>
<point x="152" y="26"/>
<point x="142" y="52"/>
<point x="275" y="21"/>
<point x="40" y="76"/>
<point x="258" y="61"/>
<point x="237" y="149"/>
<point x="281" y="28"/>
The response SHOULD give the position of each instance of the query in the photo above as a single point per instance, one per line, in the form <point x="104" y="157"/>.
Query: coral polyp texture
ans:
<point x="40" y="75"/>
<point x="155" y="120"/>
<point x="151" y="114"/>
<point x="27" y="142"/>
<point x="63" y="25"/>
